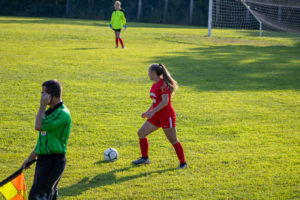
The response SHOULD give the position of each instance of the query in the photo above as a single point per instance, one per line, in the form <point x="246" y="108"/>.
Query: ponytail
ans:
<point x="161" y="70"/>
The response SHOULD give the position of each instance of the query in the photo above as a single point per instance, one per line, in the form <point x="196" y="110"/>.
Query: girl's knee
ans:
<point x="173" y="140"/>
<point x="140" y="134"/>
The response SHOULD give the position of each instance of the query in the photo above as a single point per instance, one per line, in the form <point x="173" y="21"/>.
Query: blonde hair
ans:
<point x="161" y="70"/>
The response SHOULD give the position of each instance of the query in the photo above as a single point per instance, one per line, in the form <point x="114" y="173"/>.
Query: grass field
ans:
<point x="238" y="108"/>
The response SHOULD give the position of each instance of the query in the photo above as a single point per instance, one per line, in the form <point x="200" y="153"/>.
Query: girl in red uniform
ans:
<point x="160" y="114"/>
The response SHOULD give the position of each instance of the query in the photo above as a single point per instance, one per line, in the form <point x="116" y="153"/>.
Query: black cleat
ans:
<point x="141" y="161"/>
<point x="182" y="166"/>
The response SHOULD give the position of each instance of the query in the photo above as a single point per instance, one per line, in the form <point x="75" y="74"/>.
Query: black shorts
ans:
<point x="117" y="30"/>
<point x="48" y="171"/>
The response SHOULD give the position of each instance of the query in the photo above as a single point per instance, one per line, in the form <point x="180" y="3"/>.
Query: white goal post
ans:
<point x="279" y="15"/>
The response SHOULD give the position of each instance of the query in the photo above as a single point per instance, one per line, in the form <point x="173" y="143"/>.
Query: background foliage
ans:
<point x="152" y="10"/>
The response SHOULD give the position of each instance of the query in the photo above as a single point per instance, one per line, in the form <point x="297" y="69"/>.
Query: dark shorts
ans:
<point x="48" y="171"/>
<point x="117" y="30"/>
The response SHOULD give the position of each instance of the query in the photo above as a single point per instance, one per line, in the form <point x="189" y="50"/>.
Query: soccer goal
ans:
<point x="279" y="15"/>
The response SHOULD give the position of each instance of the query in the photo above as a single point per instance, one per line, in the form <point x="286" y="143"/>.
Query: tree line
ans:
<point x="192" y="12"/>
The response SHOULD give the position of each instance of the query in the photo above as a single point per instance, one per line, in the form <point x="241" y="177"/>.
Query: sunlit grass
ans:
<point x="237" y="108"/>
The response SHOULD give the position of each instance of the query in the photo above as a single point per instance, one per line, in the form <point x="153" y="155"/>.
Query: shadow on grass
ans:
<point x="83" y="22"/>
<point x="268" y="33"/>
<point x="101" y="162"/>
<point x="236" y="67"/>
<point x="103" y="179"/>
<point x="40" y="20"/>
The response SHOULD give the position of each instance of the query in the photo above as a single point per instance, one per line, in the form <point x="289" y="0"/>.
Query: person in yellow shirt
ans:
<point x="118" y="21"/>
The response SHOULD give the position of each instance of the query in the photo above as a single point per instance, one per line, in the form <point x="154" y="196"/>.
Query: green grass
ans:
<point x="238" y="108"/>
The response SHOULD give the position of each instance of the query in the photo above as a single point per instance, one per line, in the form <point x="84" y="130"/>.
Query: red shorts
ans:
<point x="163" y="120"/>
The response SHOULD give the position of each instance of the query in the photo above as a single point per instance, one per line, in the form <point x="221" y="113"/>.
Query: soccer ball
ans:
<point x="111" y="154"/>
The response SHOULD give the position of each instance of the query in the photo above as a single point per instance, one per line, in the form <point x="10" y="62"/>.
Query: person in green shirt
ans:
<point x="118" y="20"/>
<point x="54" y="128"/>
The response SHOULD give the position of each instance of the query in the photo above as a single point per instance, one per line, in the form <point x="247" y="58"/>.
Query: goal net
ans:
<point x="279" y="15"/>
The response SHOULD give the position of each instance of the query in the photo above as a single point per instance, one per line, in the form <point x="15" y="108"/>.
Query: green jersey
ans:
<point x="55" y="132"/>
<point x="118" y="19"/>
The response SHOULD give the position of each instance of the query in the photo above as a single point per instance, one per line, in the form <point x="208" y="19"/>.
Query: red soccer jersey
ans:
<point x="157" y="90"/>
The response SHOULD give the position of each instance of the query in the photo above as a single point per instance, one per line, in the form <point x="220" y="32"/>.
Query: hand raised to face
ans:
<point x="45" y="99"/>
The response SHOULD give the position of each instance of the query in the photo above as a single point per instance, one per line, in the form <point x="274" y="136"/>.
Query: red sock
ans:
<point x="117" y="42"/>
<point x="144" y="146"/>
<point x="121" y="41"/>
<point x="179" y="151"/>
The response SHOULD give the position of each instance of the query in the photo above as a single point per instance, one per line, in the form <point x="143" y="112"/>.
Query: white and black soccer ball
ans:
<point x="111" y="154"/>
